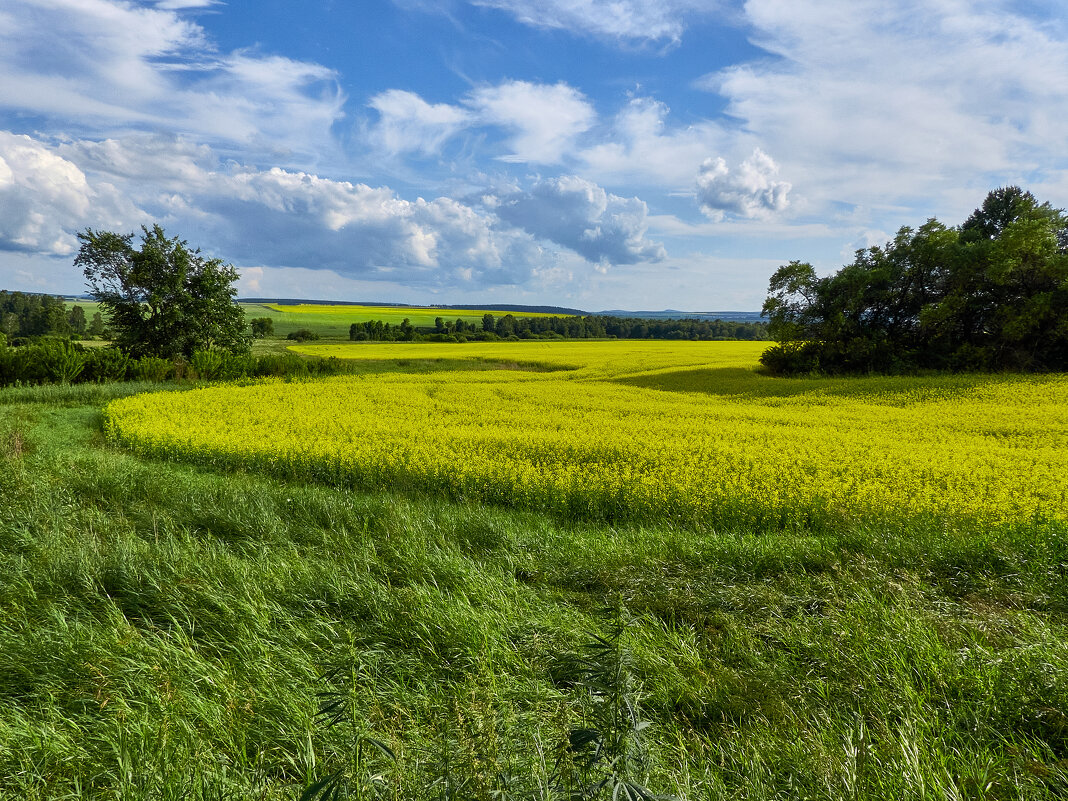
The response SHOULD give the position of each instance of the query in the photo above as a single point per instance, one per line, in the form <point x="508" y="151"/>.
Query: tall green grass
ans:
<point x="173" y="632"/>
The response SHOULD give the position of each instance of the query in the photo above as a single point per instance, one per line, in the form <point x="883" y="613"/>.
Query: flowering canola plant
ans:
<point x="686" y="432"/>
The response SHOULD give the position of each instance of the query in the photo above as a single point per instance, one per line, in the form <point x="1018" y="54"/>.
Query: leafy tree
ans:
<point x="96" y="325"/>
<point x="163" y="299"/>
<point x="77" y="321"/>
<point x="9" y="324"/>
<point x="990" y="295"/>
<point x="262" y="327"/>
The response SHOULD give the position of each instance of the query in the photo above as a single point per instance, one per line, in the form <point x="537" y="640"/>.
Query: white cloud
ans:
<point x="905" y="104"/>
<point x="174" y="5"/>
<point x="542" y="121"/>
<point x="750" y="190"/>
<point x="407" y="123"/>
<point x="45" y="198"/>
<point x="545" y="119"/>
<point x="640" y="147"/>
<point x="636" y="20"/>
<point x="281" y="218"/>
<point x="580" y="215"/>
<point x="107" y="66"/>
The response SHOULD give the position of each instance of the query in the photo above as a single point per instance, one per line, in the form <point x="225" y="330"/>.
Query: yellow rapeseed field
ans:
<point x="640" y="430"/>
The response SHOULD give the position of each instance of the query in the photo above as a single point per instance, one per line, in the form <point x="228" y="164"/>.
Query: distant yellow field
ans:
<point x="646" y="430"/>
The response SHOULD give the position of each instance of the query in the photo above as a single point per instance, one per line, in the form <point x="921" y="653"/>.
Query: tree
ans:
<point x="262" y="327"/>
<point x="990" y="295"/>
<point x="163" y="299"/>
<point x="77" y="321"/>
<point x="96" y="325"/>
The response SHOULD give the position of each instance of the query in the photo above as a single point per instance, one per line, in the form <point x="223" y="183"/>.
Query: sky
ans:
<point x="594" y="154"/>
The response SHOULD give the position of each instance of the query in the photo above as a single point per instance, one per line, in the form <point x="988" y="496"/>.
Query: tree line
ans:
<point x="588" y="327"/>
<point x="988" y="295"/>
<point x="24" y="316"/>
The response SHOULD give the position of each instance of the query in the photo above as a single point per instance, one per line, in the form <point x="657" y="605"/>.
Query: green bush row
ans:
<point x="59" y="361"/>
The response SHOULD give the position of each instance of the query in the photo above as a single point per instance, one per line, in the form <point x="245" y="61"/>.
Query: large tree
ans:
<point x="989" y="295"/>
<point x="162" y="299"/>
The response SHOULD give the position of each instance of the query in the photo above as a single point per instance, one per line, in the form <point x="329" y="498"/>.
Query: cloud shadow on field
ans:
<point x="745" y="382"/>
<point x="708" y="380"/>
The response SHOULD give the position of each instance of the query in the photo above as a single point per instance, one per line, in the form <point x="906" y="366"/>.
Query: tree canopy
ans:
<point x="162" y="299"/>
<point x="991" y="294"/>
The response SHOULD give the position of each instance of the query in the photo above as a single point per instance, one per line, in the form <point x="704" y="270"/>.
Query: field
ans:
<point x="334" y="321"/>
<point x="614" y="438"/>
<point x="808" y="588"/>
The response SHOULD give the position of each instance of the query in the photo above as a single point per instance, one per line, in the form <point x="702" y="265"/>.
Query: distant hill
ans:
<point x="674" y="314"/>
<point x="501" y="307"/>
<point x="519" y="310"/>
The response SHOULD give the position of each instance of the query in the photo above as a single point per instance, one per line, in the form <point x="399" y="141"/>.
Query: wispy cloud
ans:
<point x="545" y="119"/>
<point x="407" y="123"/>
<point x="104" y="67"/>
<point x="628" y="20"/>
<point x="884" y="104"/>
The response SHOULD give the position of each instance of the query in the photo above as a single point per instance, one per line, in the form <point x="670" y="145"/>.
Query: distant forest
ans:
<point x="24" y="315"/>
<point x="588" y="327"/>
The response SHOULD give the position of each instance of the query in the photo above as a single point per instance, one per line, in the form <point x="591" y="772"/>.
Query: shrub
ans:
<point x="153" y="368"/>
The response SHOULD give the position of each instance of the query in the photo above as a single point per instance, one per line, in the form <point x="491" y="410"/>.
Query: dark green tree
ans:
<point x="96" y="325"/>
<point x="262" y="327"/>
<point x="77" y="321"/>
<point x="162" y="299"/>
<point x="989" y="295"/>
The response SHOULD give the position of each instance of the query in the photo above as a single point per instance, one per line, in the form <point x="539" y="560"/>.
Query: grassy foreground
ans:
<point x="167" y="631"/>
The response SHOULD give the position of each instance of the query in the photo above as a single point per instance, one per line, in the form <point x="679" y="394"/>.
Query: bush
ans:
<point x="63" y="361"/>
<point x="303" y="335"/>
<point x="106" y="364"/>
<point x="153" y="368"/>
<point x="206" y="364"/>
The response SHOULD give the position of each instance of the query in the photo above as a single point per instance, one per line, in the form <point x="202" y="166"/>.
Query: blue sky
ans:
<point x="637" y="154"/>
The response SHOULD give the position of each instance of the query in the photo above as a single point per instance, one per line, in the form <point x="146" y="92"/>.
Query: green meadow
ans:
<point x="331" y="321"/>
<point x="178" y="631"/>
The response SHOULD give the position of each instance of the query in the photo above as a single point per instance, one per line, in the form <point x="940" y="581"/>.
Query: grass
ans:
<point x="167" y="631"/>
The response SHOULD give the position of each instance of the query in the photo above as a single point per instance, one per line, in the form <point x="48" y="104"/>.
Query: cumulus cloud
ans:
<point x="750" y="190"/>
<point x="580" y="215"/>
<point x="632" y="20"/>
<point x="45" y="198"/>
<point x="283" y="218"/>
<point x="280" y="218"/>
<point x="105" y="65"/>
